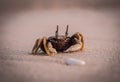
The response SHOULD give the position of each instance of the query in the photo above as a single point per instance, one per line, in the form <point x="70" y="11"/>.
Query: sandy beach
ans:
<point x="100" y="28"/>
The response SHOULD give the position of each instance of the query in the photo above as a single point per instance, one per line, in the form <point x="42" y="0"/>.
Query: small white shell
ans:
<point x="72" y="61"/>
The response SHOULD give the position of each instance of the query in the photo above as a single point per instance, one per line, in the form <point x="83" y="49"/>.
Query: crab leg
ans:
<point x="36" y="46"/>
<point x="47" y="48"/>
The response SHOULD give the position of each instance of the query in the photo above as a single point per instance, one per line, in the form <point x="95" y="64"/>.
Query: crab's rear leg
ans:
<point x="36" y="46"/>
<point x="79" y="43"/>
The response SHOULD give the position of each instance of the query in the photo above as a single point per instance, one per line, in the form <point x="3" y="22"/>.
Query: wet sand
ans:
<point x="100" y="28"/>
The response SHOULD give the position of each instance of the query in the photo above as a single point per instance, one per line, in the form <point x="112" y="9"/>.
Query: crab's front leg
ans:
<point x="44" y="46"/>
<point x="36" y="46"/>
<point x="48" y="48"/>
<point x="78" y="41"/>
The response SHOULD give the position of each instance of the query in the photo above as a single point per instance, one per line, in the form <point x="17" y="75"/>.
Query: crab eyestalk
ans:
<point x="66" y="33"/>
<point x="56" y="33"/>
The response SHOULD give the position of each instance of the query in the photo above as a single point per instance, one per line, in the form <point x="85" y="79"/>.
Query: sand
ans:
<point x="101" y="54"/>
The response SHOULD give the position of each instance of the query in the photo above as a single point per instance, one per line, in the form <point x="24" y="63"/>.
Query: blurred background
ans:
<point x="16" y="5"/>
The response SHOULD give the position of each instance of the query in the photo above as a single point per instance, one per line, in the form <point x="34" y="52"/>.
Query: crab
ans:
<point x="59" y="43"/>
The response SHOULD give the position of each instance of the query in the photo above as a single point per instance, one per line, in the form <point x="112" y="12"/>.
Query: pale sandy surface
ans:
<point x="102" y="52"/>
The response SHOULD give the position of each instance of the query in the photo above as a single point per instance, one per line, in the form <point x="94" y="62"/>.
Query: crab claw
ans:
<point x="73" y="48"/>
<point x="79" y="43"/>
<point x="51" y="49"/>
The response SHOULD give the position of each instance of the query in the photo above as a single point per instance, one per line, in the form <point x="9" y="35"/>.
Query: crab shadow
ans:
<point x="38" y="54"/>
